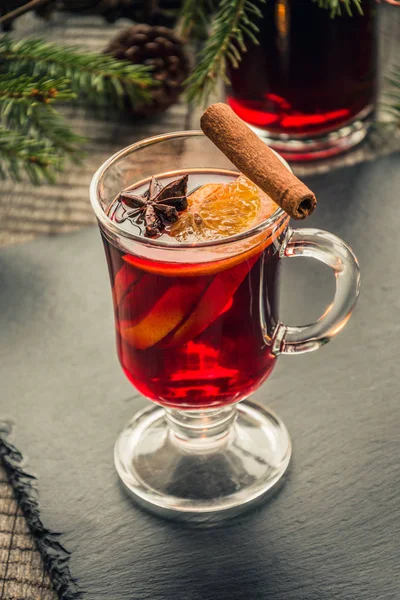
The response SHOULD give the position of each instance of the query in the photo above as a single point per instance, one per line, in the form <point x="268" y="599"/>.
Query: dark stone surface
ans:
<point x="333" y="530"/>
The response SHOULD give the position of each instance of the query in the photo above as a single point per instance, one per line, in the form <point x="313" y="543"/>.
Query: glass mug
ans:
<point x="198" y="330"/>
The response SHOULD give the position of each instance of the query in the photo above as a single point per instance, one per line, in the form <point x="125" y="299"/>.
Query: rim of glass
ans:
<point x="157" y="243"/>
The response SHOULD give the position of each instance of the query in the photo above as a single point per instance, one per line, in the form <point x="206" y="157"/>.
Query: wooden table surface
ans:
<point x="26" y="213"/>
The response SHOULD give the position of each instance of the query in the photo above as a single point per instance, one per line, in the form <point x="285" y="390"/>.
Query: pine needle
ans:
<point x="27" y="114"/>
<point x="392" y="106"/>
<point x="195" y="18"/>
<point x="230" y="27"/>
<point x="30" y="89"/>
<point x="98" y="78"/>
<point x="26" y="107"/>
<point x="20" y="155"/>
<point x="35" y="139"/>
<point x="336" y="6"/>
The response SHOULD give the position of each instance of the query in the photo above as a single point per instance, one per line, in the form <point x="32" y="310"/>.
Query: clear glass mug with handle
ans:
<point x="198" y="330"/>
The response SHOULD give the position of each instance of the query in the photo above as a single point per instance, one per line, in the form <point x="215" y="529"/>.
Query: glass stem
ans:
<point x="201" y="428"/>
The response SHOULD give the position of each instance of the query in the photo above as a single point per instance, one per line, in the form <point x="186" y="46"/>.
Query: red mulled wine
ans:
<point x="195" y="335"/>
<point x="311" y="73"/>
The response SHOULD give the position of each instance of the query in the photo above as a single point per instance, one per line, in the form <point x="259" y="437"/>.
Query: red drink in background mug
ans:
<point x="309" y="88"/>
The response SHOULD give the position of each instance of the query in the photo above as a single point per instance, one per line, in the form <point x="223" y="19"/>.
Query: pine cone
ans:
<point x="160" y="48"/>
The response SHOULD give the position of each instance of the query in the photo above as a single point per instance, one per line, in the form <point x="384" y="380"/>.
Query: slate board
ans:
<point x="333" y="530"/>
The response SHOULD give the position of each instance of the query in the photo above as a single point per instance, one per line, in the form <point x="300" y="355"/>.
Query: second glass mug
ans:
<point x="198" y="331"/>
<point x="309" y="87"/>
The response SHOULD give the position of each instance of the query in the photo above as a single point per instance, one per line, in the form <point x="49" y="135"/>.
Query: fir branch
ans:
<point x="46" y="122"/>
<point x="336" y="6"/>
<point x="32" y="89"/>
<point x="34" y="74"/>
<point x="98" y="78"/>
<point x="21" y="154"/>
<point x="195" y="18"/>
<point x="26" y="107"/>
<point x="233" y="22"/>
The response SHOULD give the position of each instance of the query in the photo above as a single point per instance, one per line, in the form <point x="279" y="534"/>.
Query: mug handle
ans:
<point x="332" y="251"/>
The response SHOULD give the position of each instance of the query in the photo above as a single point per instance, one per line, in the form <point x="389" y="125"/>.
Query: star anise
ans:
<point x="157" y="207"/>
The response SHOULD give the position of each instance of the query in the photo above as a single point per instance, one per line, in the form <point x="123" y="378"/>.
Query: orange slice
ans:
<point x="139" y="299"/>
<point x="170" y="309"/>
<point x="124" y="280"/>
<point x="217" y="210"/>
<point x="175" y="269"/>
<point x="214" y="301"/>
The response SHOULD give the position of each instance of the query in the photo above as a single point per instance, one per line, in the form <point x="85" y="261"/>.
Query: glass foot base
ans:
<point x="303" y="149"/>
<point x="202" y="466"/>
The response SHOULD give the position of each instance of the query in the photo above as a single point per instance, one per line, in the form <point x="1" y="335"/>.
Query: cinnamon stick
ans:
<point x="256" y="160"/>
